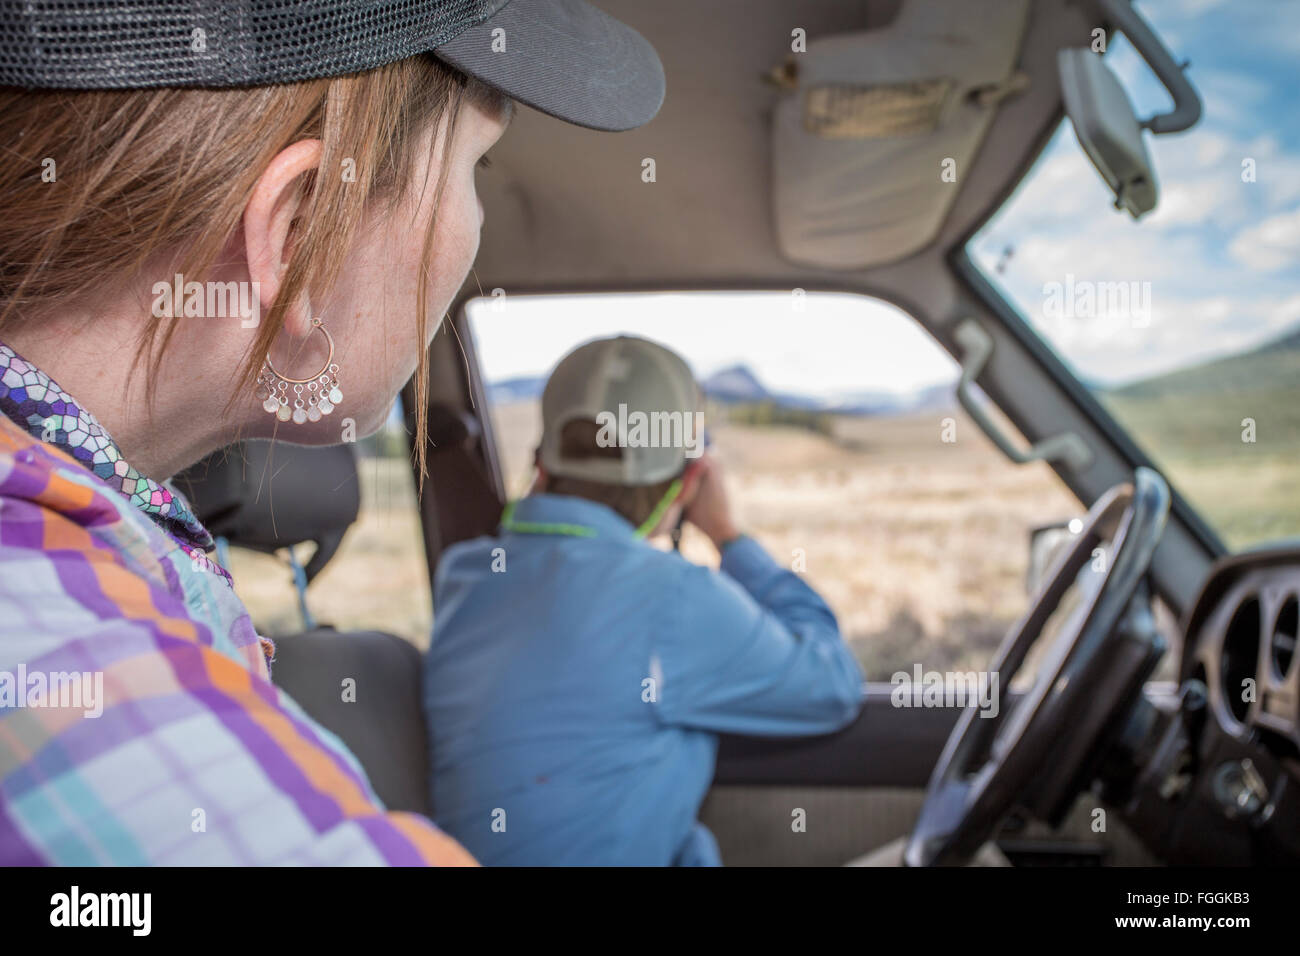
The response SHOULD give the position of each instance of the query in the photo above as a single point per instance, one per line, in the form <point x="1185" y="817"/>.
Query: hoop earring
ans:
<point x="301" y="399"/>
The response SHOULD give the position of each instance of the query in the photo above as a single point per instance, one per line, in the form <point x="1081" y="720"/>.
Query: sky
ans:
<point x="1218" y="261"/>
<point x="878" y="348"/>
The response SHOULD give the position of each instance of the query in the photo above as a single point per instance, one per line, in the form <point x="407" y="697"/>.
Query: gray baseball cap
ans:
<point x="642" y="395"/>
<point x="563" y="57"/>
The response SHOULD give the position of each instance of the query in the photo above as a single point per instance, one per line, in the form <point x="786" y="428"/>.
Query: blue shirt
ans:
<point x="578" y="676"/>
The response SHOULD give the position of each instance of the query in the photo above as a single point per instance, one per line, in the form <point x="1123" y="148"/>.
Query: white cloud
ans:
<point x="1182" y="331"/>
<point x="1193" y="202"/>
<point x="1269" y="245"/>
<point x="1210" y="148"/>
<point x="1187" y="8"/>
<point x="1276" y="171"/>
<point x="1283" y="314"/>
<point x="1229" y="96"/>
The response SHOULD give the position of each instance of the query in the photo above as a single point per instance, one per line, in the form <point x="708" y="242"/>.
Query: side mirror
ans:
<point x="1108" y="129"/>
<point x="1046" y="542"/>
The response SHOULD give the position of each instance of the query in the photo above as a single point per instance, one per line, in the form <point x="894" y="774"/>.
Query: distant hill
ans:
<point x="935" y="398"/>
<point x="1276" y="363"/>
<point x="1194" y="424"/>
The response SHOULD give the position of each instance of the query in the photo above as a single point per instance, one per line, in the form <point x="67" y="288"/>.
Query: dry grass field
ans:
<point x="920" y="546"/>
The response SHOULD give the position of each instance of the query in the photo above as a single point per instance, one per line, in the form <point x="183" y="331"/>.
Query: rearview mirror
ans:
<point x="1108" y="129"/>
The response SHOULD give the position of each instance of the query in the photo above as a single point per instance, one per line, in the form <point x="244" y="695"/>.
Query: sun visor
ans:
<point x="863" y="136"/>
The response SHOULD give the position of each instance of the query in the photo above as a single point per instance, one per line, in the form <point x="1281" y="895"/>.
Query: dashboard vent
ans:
<point x="1282" y="644"/>
<point x="1240" y="656"/>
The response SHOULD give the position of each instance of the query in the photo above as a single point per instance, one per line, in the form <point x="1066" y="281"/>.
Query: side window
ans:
<point x="848" y="456"/>
<point x="378" y="578"/>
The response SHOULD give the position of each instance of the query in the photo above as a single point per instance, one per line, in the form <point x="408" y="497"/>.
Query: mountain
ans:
<point x="738" y="383"/>
<point x="522" y="388"/>
<point x="735" y="384"/>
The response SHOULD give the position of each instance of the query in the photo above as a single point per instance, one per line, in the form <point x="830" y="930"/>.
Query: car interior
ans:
<point x="858" y="155"/>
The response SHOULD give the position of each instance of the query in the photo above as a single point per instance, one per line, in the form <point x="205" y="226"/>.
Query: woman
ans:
<point x="223" y="220"/>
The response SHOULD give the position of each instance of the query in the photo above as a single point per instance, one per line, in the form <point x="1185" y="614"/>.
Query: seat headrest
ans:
<point x="267" y="495"/>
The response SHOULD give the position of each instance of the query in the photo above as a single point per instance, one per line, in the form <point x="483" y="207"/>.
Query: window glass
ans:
<point x="847" y="456"/>
<point x="1185" y="325"/>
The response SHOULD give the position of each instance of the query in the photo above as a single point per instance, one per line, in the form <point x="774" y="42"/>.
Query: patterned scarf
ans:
<point x="34" y="402"/>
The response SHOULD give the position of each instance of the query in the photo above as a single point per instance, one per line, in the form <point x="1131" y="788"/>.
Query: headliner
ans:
<point x="567" y="210"/>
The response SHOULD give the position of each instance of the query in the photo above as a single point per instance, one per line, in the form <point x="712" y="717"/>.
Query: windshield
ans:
<point x="1185" y="325"/>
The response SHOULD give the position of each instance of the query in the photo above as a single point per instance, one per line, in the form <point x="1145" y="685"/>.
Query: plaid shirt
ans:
<point x="138" y="721"/>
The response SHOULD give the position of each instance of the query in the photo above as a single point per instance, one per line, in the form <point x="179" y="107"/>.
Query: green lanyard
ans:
<point x="508" y="522"/>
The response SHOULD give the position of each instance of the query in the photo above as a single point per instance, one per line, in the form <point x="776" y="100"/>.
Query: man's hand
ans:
<point x="710" y="508"/>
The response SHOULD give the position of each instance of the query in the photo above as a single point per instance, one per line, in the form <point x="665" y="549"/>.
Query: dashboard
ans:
<point x="1241" y="642"/>
<point x="1240" y="715"/>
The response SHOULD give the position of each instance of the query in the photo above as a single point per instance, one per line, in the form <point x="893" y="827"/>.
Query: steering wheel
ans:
<point x="1087" y="678"/>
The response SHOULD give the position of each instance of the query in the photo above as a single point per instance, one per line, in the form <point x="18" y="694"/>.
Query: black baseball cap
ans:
<point x="563" y="57"/>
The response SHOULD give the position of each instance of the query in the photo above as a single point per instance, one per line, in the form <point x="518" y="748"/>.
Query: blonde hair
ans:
<point x="141" y="172"/>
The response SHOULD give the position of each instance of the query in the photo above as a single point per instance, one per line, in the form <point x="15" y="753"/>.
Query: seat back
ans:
<point x="365" y="686"/>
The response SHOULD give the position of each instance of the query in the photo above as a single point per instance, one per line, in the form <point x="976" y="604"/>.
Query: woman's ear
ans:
<point x="268" y="225"/>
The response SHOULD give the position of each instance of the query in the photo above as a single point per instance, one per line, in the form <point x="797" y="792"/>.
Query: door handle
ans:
<point x="977" y="345"/>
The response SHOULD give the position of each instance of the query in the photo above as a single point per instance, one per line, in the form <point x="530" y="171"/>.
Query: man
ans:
<point x="578" y="677"/>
